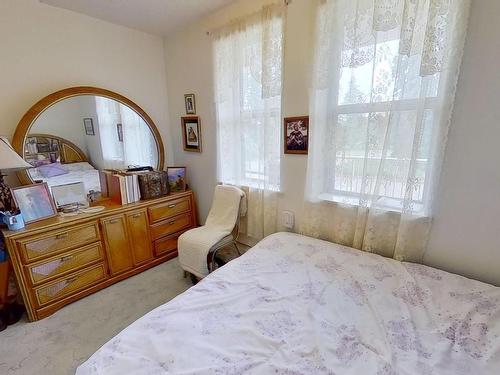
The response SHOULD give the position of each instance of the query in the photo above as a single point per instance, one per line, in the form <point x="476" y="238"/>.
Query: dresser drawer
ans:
<point x="68" y="262"/>
<point x="171" y="226"/>
<point x="169" y="209"/>
<point x="56" y="241"/>
<point x="70" y="284"/>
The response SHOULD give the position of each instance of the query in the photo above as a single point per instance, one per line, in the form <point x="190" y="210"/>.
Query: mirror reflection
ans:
<point x="74" y="138"/>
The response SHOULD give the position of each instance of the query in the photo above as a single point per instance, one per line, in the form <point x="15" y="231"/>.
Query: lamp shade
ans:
<point x="9" y="158"/>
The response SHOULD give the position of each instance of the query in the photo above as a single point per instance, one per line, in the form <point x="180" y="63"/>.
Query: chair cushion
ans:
<point x="225" y="207"/>
<point x="194" y="245"/>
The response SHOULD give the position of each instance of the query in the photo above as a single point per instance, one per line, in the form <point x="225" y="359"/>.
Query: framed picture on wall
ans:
<point x="190" y="104"/>
<point x="119" y="130"/>
<point x="296" y="132"/>
<point x="34" y="201"/>
<point x="89" y="126"/>
<point x="191" y="133"/>
<point x="176" y="179"/>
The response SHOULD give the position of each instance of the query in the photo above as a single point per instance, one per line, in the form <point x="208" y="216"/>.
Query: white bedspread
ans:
<point x="90" y="179"/>
<point x="296" y="305"/>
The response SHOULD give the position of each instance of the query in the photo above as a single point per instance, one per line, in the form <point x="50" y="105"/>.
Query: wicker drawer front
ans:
<point x="169" y="209"/>
<point x="56" y="241"/>
<point x="70" y="284"/>
<point x="63" y="264"/>
<point x="171" y="226"/>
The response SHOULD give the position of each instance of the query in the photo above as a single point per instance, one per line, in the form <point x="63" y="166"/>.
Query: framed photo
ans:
<point x="190" y="104"/>
<point x="176" y="179"/>
<point x="31" y="147"/>
<point x="89" y="126"/>
<point x="43" y="147"/>
<point x="34" y="201"/>
<point x="119" y="130"/>
<point x="54" y="145"/>
<point x="69" y="194"/>
<point x="296" y="131"/>
<point x="191" y="133"/>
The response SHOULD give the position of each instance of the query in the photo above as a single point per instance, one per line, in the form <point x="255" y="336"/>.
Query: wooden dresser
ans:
<point x="60" y="260"/>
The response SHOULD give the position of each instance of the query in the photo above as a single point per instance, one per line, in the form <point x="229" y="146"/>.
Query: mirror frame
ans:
<point x="27" y="121"/>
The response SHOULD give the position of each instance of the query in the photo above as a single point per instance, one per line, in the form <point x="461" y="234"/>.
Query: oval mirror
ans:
<point x="70" y="135"/>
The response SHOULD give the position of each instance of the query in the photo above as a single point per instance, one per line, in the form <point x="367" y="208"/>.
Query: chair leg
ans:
<point x="211" y="266"/>
<point x="236" y="247"/>
<point x="194" y="279"/>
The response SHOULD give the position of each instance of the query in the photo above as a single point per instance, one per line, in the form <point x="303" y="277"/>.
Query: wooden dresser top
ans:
<point x="111" y="208"/>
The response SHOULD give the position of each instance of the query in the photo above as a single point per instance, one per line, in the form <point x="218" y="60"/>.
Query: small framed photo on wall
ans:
<point x="191" y="133"/>
<point x="89" y="126"/>
<point x="190" y="104"/>
<point x="296" y="132"/>
<point x="119" y="131"/>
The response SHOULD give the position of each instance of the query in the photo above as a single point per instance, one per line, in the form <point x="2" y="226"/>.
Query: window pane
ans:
<point x="374" y="153"/>
<point x="374" y="81"/>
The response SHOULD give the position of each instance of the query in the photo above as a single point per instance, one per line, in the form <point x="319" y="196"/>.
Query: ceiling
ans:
<point x="160" y="17"/>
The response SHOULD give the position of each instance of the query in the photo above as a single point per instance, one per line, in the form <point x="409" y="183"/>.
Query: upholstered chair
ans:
<point x="198" y="247"/>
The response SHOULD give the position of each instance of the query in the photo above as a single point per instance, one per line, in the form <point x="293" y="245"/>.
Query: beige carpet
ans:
<point x="58" y="344"/>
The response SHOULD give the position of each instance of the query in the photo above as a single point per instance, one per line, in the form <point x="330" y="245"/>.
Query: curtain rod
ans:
<point x="285" y="2"/>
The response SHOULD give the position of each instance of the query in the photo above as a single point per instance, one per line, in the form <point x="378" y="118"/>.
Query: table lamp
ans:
<point x="10" y="161"/>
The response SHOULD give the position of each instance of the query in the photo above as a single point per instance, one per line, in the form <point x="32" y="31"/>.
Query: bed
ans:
<point x="297" y="305"/>
<point x="75" y="172"/>
<point x="58" y="161"/>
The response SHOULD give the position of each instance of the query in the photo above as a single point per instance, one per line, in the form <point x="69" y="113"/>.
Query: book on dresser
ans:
<point x="125" y="187"/>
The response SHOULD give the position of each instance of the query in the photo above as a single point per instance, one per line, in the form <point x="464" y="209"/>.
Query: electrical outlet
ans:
<point x="288" y="219"/>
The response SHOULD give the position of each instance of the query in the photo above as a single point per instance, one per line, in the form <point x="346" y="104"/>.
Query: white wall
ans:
<point x="44" y="49"/>
<point x="466" y="232"/>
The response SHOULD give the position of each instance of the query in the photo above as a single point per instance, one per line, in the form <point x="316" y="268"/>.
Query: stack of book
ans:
<point x="125" y="187"/>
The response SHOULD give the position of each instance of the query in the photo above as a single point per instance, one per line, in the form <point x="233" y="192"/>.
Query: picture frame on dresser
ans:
<point x="176" y="179"/>
<point x="34" y="201"/>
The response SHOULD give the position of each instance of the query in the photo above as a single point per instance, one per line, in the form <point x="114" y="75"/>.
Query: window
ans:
<point x="248" y="64"/>
<point x="383" y="92"/>
<point x="376" y="140"/>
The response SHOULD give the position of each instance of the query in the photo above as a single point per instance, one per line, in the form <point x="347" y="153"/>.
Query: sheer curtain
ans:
<point x="385" y="73"/>
<point x="248" y="75"/>
<point x="108" y="115"/>
<point x="138" y="146"/>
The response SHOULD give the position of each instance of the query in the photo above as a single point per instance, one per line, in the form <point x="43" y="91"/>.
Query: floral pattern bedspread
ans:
<point x="297" y="305"/>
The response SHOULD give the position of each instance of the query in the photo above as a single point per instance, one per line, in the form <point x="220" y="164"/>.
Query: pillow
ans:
<point x="52" y="170"/>
<point x="38" y="163"/>
<point x="77" y="167"/>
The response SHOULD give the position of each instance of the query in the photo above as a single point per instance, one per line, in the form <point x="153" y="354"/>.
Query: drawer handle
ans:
<point x="171" y="205"/>
<point x="66" y="258"/>
<point x="136" y="215"/>
<point x="72" y="280"/>
<point x="62" y="236"/>
<point x="172" y="222"/>
<point x="114" y="221"/>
